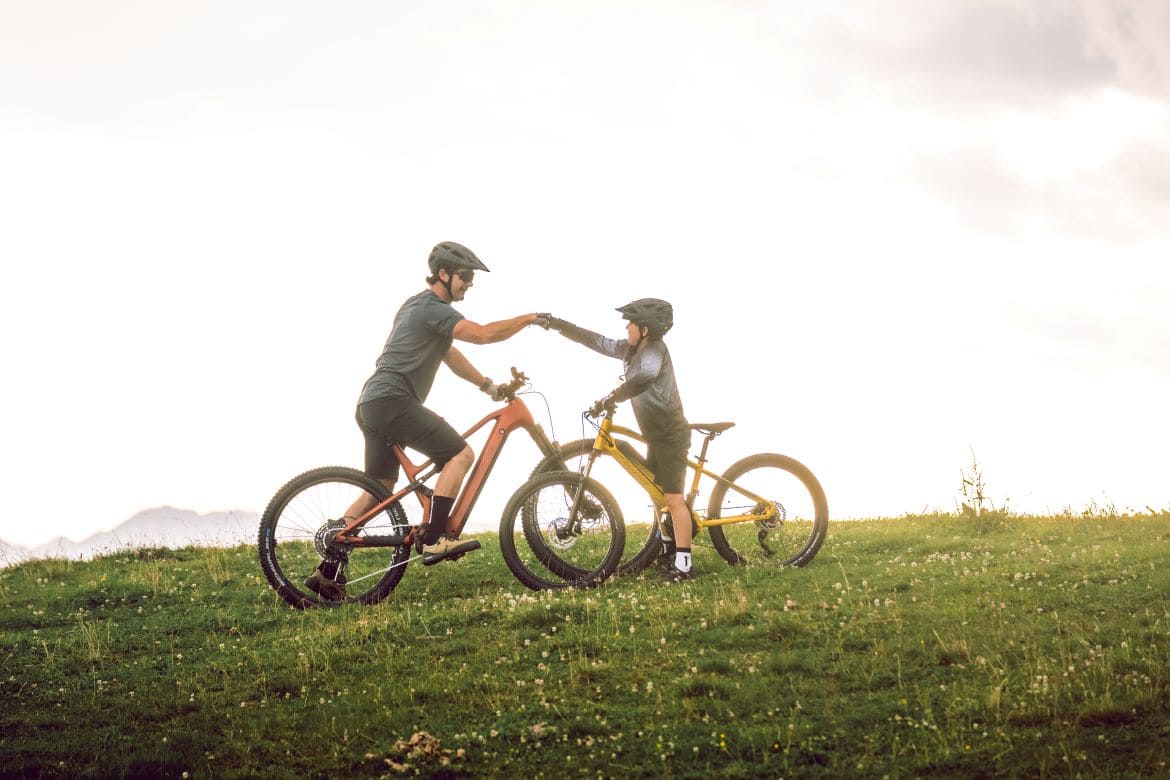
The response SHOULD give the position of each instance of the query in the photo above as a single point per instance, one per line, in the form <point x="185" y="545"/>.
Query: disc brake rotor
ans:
<point x="559" y="535"/>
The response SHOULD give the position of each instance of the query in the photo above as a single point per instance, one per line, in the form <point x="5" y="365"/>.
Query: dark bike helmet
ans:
<point x="454" y="257"/>
<point x="656" y="314"/>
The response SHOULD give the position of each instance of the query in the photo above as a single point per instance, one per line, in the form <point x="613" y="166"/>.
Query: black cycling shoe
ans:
<point x="328" y="589"/>
<point x="665" y="560"/>
<point x="448" y="548"/>
<point x="673" y="575"/>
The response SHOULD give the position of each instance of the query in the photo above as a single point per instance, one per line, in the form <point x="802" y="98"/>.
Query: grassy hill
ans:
<point x="915" y="646"/>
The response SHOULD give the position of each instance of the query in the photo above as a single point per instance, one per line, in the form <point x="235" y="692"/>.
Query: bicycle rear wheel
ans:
<point x="802" y="521"/>
<point x="561" y="530"/>
<point x="298" y="527"/>
<point x="643" y="541"/>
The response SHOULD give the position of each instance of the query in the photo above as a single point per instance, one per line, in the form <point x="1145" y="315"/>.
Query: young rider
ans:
<point x="651" y="388"/>
<point x="390" y="409"/>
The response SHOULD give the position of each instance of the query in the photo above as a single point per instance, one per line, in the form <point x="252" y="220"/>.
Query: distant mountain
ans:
<point x="161" y="527"/>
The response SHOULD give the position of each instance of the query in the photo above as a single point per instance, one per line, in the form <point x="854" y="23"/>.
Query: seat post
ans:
<point x="699" y="463"/>
<point x="702" y="459"/>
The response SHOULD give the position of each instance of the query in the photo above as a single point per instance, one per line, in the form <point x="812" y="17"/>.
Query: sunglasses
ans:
<point x="466" y="275"/>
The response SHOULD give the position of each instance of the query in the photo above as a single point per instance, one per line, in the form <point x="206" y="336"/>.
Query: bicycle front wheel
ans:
<point x="561" y="530"/>
<point x="297" y="530"/>
<point x="643" y="539"/>
<point x="752" y="485"/>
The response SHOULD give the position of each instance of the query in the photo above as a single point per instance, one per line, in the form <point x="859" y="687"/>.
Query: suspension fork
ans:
<point x="601" y="444"/>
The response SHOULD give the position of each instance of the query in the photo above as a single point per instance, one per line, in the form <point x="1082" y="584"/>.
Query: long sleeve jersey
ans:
<point x="649" y="383"/>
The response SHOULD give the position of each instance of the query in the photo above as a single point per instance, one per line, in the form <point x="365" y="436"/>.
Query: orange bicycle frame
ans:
<point x="505" y="420"/>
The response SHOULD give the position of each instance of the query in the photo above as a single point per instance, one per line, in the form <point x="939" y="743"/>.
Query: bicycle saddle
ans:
<point x="712" y="429"/>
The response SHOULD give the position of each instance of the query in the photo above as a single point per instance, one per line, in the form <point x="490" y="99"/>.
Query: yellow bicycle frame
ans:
<point x="606" y="444"/>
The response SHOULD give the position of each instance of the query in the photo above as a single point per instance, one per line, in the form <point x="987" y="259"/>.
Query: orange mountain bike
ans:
<point x="306" y="520"/>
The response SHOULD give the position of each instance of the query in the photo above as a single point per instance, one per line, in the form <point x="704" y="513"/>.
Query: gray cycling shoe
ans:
<point x="447" y="548"/>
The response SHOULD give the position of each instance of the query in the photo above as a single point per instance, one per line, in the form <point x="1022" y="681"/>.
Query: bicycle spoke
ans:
<point x="297" y="534"/>
<point x="642" y="534"/>
<point x="560" y="530"/>
<point x="785" y="517"/>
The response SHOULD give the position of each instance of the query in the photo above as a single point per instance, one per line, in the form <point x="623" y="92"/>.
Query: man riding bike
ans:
<point x="390" y="409"/>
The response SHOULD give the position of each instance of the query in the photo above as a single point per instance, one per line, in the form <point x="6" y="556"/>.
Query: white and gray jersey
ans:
<point x="649" y="383"/>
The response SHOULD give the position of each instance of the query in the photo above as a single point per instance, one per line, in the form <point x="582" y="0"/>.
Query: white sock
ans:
<point x="682" y="561"/>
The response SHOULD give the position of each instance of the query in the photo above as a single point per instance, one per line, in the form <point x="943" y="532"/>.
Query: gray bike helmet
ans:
<point x="454" y="257"/>
<point x="656" y="314"/>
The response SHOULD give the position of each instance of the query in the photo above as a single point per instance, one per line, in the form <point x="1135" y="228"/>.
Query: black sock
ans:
<point x="437" y="524"/>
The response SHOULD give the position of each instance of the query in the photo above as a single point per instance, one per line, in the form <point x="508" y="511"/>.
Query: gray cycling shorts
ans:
<point x="407" y="423"/>
<point x="668" y="464"/>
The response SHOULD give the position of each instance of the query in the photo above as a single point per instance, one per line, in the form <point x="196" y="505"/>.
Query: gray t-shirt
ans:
<point x="421" y="336"/>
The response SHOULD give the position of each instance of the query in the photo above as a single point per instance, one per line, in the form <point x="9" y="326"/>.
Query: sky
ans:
<point x="899" y="235"/>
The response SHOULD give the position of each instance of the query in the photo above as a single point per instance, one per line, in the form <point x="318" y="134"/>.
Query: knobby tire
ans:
<point x="296" y="525"/>
<point x="793" y="541"/>
<point x="554" y="549"/>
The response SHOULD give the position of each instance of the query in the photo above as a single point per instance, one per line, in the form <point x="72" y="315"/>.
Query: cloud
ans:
<point x="969" y="57"/>
<point x="974" y="57"/>
<point x="1132" y="35"/>
<point x="1126" y="200"/>
<point x="1144" y="169"/>
<point x="1093" y="164"/>
<point x="996" y="52"/>
<point x="1103" y="334"/>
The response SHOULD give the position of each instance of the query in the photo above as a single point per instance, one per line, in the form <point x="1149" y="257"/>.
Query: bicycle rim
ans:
<point x="560" y="530"/>
<point x="642" y="540"/>
<point x="801" y="513"/>
<point x="299" y="523"/>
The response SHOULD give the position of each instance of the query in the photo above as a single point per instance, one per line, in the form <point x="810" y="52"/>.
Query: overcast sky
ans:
<point x="895" y="233"/>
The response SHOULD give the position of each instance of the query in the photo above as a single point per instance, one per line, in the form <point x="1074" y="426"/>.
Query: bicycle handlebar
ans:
<point x="508" y="390"/>
<point x="606" y="405"/>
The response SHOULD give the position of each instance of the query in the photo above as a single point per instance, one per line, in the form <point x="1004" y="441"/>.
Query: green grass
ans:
<point x="917" y="646"/>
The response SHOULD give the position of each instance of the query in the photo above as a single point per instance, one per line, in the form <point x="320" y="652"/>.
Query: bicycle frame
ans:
<point x="515" y="414"/>
<point x="606" y="444"/>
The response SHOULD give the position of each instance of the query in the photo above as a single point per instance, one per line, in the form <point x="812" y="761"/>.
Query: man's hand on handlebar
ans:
<point x="507" y="390"/>
<point x="494" y="391"/>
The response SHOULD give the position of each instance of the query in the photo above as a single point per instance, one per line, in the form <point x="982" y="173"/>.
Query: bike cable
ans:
<point x="548" y="410"/>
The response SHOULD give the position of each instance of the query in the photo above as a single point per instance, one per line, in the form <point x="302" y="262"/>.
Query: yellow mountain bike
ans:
<point x="764" y="509"/>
